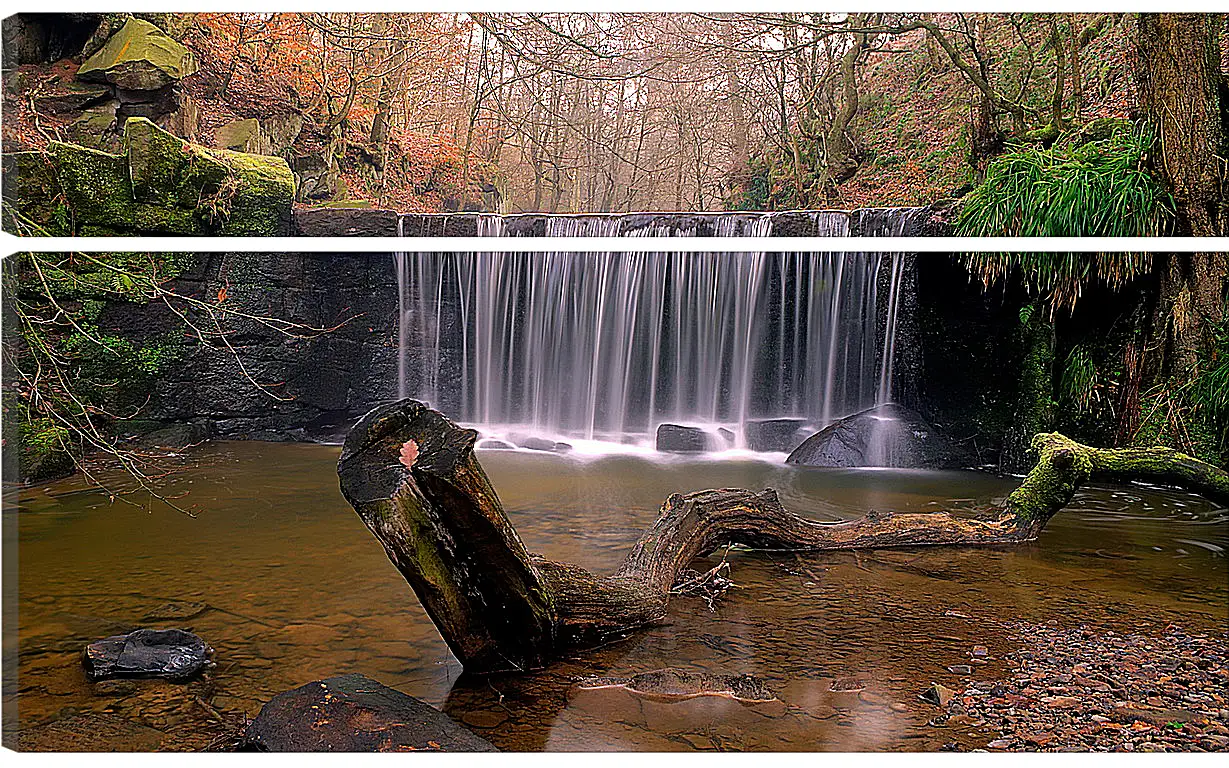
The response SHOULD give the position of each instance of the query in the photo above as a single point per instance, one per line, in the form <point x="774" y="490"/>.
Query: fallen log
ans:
<point x="412" y="476"/>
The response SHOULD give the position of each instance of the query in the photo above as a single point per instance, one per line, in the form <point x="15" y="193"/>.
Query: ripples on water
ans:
<point x="298" y="590"/>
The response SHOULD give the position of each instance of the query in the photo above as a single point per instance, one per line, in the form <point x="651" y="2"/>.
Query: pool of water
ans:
<point x="297" y="590"/>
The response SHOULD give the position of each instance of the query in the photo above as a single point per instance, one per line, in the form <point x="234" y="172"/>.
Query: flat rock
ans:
<point x="491" y="444"/>
<point x="353" y="713"/>
<point x="174" y="654"/>
<point x="345" y="222"/>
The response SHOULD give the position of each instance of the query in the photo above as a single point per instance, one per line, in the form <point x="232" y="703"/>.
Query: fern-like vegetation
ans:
<point x="1077" y="187"/>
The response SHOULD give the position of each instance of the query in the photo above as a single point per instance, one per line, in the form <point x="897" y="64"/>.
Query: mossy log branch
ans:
<point x="413" y="478"/>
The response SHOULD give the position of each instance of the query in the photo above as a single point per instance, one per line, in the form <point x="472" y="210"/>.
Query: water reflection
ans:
<point x="297" y="590"/>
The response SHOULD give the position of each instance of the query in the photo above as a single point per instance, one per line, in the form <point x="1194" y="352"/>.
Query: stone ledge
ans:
<point x="345" y="222"/>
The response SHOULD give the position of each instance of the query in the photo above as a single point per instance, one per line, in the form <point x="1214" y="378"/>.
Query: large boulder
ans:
<point x="175" y="654"/>
<point x="885" y="436"/>
<point x="139" y="57"/>
<point x="161" y="184"/>
<point x="353" y="713"/>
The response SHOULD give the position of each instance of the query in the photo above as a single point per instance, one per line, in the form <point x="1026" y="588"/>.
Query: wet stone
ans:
<point x="174" y="654"/>
<point x="937" y="694"/>
<point x="353" y="713"/>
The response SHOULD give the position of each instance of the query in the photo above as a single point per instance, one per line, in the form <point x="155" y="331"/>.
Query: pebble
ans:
<point x="1082" y="690"/>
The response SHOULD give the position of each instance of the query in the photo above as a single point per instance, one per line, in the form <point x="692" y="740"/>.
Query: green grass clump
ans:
<point x="1073" y="188"/>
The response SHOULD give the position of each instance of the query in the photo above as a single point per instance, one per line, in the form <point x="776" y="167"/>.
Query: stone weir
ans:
<point x="925" y="221"/>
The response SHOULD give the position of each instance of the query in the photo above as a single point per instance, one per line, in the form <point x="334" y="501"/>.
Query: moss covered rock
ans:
<point x="42" y="454"/>
<point x="32" y="200"/>
<point x="161" y="184"/>
<point x="139" y="57"/>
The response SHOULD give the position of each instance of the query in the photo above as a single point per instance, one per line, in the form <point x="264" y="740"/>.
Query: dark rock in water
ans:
<point x="885" y="436"/>
<point x="171" y="653"/>
<point x="538" y="444"/>
<point x="562" y="447"/>
<point x="726" y="435"/>
<point x="674" y="438"/>
<point x="491" y="444"/>
<point x="677" y="685"/>
<point x="353" y="713"/>
<point x="773" y="434"/>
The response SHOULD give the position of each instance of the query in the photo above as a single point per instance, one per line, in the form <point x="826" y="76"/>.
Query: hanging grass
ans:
<point x="1058" y="278"/>
<point x="1074" y="188"/>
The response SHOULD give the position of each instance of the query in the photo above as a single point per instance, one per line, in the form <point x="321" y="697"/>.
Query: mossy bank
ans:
<point x="160" y="184"/>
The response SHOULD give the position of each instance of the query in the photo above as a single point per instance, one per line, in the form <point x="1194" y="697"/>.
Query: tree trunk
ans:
<point x="1180" y="89"/>
<point x="412" y="476"/>
<point x="1190" y="305"/>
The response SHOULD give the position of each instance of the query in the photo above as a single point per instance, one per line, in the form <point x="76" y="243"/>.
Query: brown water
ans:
<point x="298" y="590"/>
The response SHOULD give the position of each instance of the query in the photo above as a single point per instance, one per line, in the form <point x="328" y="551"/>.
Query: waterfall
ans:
<point x="862" y="222"/>
<point x="607" y="346"/>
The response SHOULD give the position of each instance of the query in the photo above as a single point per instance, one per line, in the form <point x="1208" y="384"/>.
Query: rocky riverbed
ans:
<point x="1084" y="690"/>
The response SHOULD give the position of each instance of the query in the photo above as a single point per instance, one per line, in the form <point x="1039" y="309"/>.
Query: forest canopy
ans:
<point x="680" y="111"/>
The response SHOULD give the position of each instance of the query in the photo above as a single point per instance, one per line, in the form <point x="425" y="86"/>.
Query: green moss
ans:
<point x="42" y="451"/>
<point x="1034" y="411"/>
<point x="160" y="185"/>
<point x="95" y="184"/>
<point x="262" y="199"/>
<point x="33" y="203"/>
<point x="139" y="56"/>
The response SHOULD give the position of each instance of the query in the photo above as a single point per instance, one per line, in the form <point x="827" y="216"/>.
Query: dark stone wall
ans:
<point x="967" y="357"/>
<point x="310" y="385"/>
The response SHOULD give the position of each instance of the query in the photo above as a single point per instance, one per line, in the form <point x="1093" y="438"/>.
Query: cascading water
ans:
<point x="607" y="346"/>
<point x="862" y="222"/>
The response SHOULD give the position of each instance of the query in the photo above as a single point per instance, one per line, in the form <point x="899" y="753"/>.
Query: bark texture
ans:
<point x="412" y="476"/>
<point x="1180" y="90"/>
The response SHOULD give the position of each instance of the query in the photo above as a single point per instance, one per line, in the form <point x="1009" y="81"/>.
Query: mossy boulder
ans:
<point x="164" y="184"/>
<point x="139" y="57"/>
<point x="32" y="204"/>
<point x="42" y="453"/>
<point x="161" y="184"/>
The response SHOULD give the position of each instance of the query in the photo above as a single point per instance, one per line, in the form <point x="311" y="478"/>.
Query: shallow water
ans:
<point x="298" y="590"/>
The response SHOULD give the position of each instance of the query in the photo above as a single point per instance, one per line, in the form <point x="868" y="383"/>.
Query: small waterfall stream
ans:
<point x="607" y="346"/>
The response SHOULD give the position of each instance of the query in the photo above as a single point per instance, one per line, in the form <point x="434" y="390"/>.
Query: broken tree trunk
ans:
<point x="412" y="476"/>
